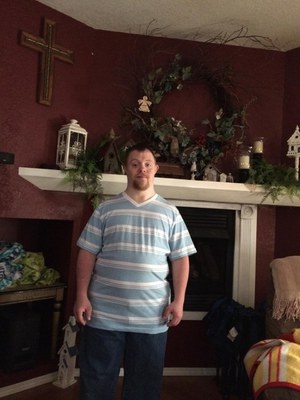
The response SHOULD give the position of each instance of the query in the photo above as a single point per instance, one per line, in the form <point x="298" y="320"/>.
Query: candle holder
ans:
<point x="244" y="164"/>
<point x="257" y="151"/>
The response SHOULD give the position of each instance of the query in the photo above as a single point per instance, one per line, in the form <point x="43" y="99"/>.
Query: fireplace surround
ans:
<point x="244" y="251"/>
<point x="240" y="199"/>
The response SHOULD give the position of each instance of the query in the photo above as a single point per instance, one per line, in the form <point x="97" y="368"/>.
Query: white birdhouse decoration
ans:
<point x="211" y="173"/>
<point x="294" y="149"/>
<point x="71" y="143"/>
<point x="67" y="355"/>
<point x="112" y="162"/>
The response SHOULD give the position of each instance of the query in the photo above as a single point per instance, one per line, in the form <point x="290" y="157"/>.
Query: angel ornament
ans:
<point x="144" y="104"/>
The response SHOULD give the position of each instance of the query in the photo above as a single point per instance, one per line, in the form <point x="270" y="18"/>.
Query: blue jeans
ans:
<point x="102" y="354"/>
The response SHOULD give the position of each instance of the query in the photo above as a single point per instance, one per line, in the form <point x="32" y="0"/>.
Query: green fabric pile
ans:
<point x="19" y="267"/>
<point x="34" y="271"/>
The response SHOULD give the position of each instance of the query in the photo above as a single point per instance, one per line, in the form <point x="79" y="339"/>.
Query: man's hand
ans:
<point x="82" y="310"/>
<point x="173" y="314"/>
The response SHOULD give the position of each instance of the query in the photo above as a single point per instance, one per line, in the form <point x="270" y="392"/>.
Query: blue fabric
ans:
<point x="10" y="268"/>
<point x="133" y="243"/>
<point x="101" y="355"/>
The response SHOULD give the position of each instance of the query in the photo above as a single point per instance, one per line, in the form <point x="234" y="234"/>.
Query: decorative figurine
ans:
<point x="230" y="178"/>
<point x="112" y="162"/>
<point x="211" y="173"/>
<point x="193" y="170"/>
<point x="294" y="149"/>
<point x="67" y="355"/>
<point x="144" y="104"/>
<point x="223" y="177"/>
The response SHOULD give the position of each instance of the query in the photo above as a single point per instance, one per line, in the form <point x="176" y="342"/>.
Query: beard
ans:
<point x="141" y="184"/>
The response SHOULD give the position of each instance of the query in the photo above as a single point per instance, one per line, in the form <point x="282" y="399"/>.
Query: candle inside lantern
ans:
<point x="258" y="145"/>
<point x="244" y="161"/>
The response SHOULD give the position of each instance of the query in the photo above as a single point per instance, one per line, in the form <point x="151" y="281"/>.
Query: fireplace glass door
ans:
<point x="211" y="268"/>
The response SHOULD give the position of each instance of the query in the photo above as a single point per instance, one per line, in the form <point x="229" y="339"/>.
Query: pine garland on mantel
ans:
<point x="276" y="180"/>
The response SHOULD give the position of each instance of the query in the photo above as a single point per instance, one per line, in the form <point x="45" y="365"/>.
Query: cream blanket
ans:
<point x="286" y="279"/>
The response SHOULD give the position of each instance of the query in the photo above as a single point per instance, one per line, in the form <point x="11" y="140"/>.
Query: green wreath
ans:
<point x="172" y="141"/>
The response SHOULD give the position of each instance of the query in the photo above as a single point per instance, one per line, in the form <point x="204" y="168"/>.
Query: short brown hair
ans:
<point x="138" y="147"/>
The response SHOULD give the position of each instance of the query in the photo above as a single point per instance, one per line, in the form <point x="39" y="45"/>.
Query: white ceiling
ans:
<point x="274" y="22"/>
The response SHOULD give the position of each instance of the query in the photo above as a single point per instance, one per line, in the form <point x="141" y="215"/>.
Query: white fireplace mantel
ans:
<point x="244" y="199"/>
<point x="179" y="189"/>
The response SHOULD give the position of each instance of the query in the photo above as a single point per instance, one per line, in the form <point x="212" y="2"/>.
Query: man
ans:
<point x="123" y="297"/>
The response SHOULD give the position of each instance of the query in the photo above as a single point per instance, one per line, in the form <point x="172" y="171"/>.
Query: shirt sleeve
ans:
<point x="91" y="236"/>
<point x="181" y="243"/>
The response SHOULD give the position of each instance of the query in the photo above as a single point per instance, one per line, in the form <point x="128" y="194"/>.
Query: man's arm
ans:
<point x="84" y="269"/>
<point x="180" y="273"/>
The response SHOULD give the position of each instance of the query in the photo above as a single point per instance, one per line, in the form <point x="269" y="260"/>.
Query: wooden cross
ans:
<point x="50" y="50"/>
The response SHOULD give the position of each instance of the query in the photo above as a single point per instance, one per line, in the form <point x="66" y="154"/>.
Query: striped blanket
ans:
<point x="274" y="363"/>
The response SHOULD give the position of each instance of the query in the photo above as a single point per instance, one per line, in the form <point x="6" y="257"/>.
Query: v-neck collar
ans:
<point x="136" y="204"/>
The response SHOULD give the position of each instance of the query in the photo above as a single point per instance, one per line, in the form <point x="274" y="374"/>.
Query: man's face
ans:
<point x="140" y="169"/>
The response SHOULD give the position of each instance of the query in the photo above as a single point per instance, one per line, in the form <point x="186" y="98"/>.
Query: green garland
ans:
<point x="87" y="174"/>
<point x="277" y="180"/>
<point x="171" y="139"/>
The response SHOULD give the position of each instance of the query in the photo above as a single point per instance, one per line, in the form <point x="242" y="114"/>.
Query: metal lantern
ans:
<point x="244" y="163"/>
<point x="71" y="142"/>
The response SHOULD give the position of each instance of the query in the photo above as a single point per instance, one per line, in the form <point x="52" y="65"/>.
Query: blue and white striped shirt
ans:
<point x="132" y="243"/>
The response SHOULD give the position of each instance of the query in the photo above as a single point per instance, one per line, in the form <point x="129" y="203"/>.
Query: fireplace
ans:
<point x="238" y="199"/>
<point x="211" y="268"/>
<point x="225" y="237"/>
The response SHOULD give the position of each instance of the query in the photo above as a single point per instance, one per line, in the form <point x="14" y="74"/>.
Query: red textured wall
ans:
<point x="288" y="219"/>
<point x="94" y="90"/>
